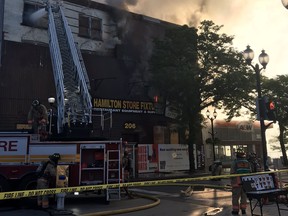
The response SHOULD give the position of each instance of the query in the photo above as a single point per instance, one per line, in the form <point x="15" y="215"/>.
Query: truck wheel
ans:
<point x="4" y="184"/>
<point x="28" y="183"/>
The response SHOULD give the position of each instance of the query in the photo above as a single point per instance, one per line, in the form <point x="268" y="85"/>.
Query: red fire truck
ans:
<point x="83" y="162"/>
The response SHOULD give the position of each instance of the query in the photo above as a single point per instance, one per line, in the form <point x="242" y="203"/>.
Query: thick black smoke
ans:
<point x="122" y="4"/>
<point x="167" y="9"/>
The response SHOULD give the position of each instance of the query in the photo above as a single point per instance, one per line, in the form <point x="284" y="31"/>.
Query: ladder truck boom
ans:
<point x="71" y="80"/>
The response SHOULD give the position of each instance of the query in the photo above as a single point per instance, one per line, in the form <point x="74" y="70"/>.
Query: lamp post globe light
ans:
<point x="51" y="101"/>
<point x="212" y="118"/>
<point x="263" y="58"/>
<point x="285" y="3"/>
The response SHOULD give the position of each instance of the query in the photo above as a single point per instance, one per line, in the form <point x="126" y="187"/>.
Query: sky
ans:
<point x="262" y="24"/>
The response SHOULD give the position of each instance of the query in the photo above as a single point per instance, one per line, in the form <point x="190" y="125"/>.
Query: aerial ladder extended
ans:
<point x="74" y="106"/>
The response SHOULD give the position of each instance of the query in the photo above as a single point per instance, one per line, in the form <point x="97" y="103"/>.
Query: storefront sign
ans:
<point x="124" y="106"/>
<point x="245" y="126"/>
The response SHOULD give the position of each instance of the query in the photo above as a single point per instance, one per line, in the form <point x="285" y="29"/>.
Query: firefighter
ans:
<point x="126" y="161"/>
<point x="126" y="164"/>
<point x="38" y="117"/>
<point x="47" y="174"/>
<point x="239" y="166"/>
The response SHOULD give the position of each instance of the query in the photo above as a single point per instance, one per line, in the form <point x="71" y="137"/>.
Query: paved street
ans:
<point x="196" y="202"/>
<point x="171" y="204"/>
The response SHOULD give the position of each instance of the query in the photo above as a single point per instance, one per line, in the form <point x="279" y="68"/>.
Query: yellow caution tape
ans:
<point x="39" y="192"/>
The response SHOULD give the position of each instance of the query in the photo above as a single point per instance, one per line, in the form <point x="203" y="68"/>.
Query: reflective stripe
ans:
<point x="242" y="166"/>
<point x="69" y="158"/>
<point x="45" y="203"/>
<point x="243" y="206"/>
<point x="65" y="158"/>
<point x="12" y="158"/>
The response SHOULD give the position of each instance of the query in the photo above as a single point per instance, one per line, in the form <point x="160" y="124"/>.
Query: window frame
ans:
<point x="90" y="27"/>
<point x="28" y="9"/>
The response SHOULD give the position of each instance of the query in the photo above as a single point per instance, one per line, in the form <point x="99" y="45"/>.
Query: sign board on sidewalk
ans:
<point x="162" y="157"/>
<point x="173" y="157"/>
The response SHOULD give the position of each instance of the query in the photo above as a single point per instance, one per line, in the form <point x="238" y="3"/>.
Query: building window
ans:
<point x="35" y="16"/>
<point x="90" y="27"/>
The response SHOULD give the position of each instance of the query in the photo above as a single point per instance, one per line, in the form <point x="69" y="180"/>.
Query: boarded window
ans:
<point x="90" y="27"/>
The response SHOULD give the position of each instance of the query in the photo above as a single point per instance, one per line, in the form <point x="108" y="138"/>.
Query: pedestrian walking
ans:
<point x="239" y="166"/>
<point x="216" y="169"/>
<point x="38" y="118"/>
<point x="46" y="176"/>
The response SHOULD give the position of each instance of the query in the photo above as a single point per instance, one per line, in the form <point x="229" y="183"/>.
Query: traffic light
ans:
<point x="271" y="111"/>
<point x="269" y="106"/>
<point x="156" y="99"/>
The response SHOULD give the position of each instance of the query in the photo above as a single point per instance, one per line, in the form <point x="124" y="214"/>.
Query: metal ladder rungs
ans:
<point x="114" y="193"/>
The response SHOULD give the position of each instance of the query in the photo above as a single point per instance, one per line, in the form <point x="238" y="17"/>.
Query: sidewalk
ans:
<point x="176" y="174"/>
<point x="269" y="209"/>
<point x="223" y="204"/>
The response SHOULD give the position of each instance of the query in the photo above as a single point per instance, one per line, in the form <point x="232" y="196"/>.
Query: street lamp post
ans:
<point x="263" y="59"/>
<point x="51" y="101"/>
<point x="212" y="118"/>
<point x="285" y="3"/>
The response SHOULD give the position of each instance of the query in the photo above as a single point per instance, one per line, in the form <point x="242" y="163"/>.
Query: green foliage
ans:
<point x="196" y="68"/>
<point x="276" y="89"/>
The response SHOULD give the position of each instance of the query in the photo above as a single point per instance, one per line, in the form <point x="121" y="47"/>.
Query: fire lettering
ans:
<point x="20" y="194"/>
<point x="8" y="146"/>
<point x="8" y="195"/>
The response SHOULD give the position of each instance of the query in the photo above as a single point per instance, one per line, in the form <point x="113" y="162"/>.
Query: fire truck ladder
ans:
<point x="113" y="174"/>
<point x="71" y="79"/>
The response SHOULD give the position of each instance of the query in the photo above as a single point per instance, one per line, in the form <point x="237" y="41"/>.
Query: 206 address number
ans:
<point x="129" y="125"/>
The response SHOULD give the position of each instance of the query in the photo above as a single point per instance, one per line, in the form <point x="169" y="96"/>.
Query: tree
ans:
<point x="196" y="68"/>
<point x="276" y="89"/>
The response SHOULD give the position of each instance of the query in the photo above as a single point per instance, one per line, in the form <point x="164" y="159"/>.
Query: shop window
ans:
<point x="90" y="27"/>
<point x="223" y="152"/>
<point x="35" y="16"/>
